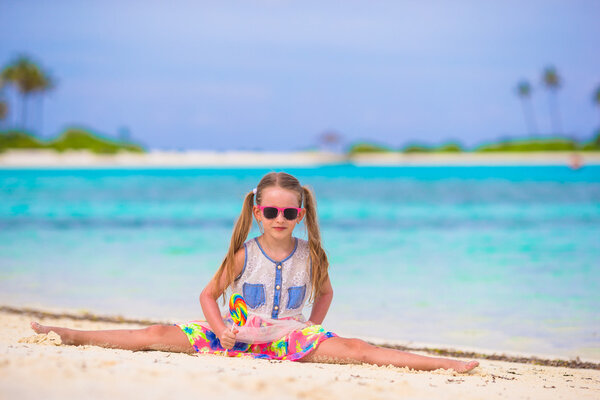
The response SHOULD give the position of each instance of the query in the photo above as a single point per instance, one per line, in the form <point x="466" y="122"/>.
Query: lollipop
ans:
<point x="238" y="309"/>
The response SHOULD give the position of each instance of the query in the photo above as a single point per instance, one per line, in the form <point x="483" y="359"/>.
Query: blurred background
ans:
<point x="503" y="258"/>
<point x="276" y="75"/>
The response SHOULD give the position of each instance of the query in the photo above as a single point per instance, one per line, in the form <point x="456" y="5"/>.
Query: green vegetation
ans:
<point x="449" y="148"/>
<point x="515" y="145"/>
<point x="3" y="110"/>
<point x="32" y="81"/>
<point x="28" y="78"/>
<point x="416" y="148"/>
<point x="19" y="140"/>
<point x="445" y="148"/>
<point x="593" y="145"/>
<point x="361" y="148"/>
<point x="71" y="139"/>
<point x="553" y="81"/>
<point x="79" y="139"/>
<point x="521" y="145"/>
<point x="364" y="147"/>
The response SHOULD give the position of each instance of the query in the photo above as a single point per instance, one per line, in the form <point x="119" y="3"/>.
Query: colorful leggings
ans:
<point x="293" y="346"/>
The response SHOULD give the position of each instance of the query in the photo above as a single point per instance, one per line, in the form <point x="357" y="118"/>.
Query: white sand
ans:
<point x="193" y="159"/>
<point x="163" y="159"/>
<point x="41" y="367"/>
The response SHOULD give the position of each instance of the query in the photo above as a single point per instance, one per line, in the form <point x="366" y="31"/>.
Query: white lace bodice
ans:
<point x="275" y="289"/>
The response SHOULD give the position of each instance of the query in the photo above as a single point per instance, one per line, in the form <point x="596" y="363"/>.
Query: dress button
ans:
<point x="276" y="308"/>
<point x="279" y="266"/>
<point x="277" y="287"/>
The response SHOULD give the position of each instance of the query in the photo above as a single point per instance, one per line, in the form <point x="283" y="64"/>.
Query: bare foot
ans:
<point x="40" y="328"/>
<point x="463" y="366"/>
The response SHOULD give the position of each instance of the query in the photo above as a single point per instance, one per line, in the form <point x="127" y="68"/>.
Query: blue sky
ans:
<point x="273" y="75"/>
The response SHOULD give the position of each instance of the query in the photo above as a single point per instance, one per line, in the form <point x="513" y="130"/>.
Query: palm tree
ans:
<point x="3" y="111"/>
<point x="552" y="81"/>
<point x="28" y="78"/>
<point x="596" y="98"/>
<point x="524" y="92"/>
<point x="3" y="103"/>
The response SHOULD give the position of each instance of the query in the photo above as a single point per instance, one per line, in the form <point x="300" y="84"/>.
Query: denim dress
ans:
<point x="275" y="292"/>
<point x="275" y="288"/>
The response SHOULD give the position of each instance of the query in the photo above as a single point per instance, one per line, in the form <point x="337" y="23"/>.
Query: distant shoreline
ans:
<point x="14" y="159"/>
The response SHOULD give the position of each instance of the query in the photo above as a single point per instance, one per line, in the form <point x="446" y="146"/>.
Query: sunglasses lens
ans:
<point x="270" y="212"/>
<point x="290" y="213"/>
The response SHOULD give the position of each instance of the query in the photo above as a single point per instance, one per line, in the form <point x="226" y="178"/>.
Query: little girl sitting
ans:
<point x="276" y="273"/>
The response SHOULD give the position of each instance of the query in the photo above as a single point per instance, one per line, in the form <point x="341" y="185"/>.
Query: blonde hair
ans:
<point x="320" y="264"/>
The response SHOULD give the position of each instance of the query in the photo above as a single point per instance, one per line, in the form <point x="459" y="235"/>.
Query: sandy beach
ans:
<point x="242" y="159"/>
<point x="32" y="365"/>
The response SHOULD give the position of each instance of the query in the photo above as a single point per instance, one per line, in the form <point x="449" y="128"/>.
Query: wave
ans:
<point x="326" y="224"/>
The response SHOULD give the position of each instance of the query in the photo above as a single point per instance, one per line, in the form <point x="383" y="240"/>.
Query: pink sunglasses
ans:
<point x="289" y="213"/>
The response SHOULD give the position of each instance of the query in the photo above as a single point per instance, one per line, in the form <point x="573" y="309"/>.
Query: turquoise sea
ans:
<point x="500" y="258"/>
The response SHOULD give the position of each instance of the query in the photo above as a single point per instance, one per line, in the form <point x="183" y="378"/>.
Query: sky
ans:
<point x="275" y="75"/>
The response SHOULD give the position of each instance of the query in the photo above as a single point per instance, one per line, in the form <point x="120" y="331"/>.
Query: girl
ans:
<point x="276" y="273"/>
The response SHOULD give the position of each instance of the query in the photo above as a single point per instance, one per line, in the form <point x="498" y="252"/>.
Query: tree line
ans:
<point x="29" y="79"/>
<point x="552" y="82"/>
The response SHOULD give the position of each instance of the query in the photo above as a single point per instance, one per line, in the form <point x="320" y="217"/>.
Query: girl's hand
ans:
<point x="227" y="338"/>
<point x="310" y="323"/>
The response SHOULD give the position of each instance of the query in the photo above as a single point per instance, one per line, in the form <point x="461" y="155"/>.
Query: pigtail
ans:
<point x="238" y="237"/>
<point x="320" y="264"/>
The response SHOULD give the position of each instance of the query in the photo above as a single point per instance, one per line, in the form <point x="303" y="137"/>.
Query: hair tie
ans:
<point x="254" y="191"/>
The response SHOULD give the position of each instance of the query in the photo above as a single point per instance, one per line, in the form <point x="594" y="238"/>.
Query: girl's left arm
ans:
<point x="321" y="304"/>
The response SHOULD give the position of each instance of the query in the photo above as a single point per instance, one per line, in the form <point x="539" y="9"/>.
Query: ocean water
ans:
<point x="500" y="258"/>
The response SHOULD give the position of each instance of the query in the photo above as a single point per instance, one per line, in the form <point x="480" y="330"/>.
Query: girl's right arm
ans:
<point x="210" y="308"/>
